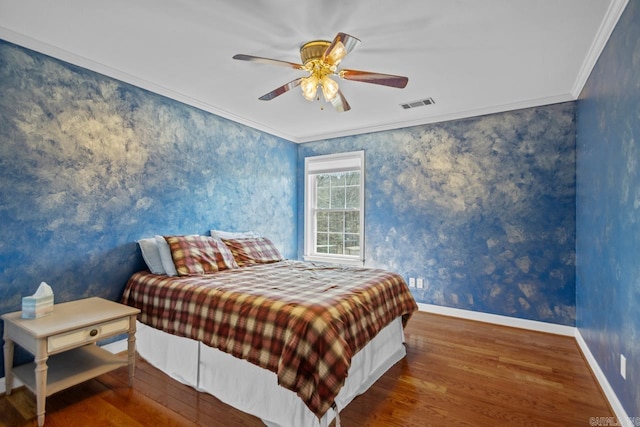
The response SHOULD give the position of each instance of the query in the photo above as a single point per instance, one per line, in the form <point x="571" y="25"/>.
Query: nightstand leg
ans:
<point x="131" y="349"/>
<point x="41" y="387"/>
<point x="8" y="365"/>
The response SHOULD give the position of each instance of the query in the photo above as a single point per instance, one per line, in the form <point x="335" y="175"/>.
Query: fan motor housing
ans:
<point x="313" y="50"/>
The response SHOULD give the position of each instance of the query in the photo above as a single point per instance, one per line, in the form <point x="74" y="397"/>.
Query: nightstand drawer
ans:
<point x="86" y="335"/>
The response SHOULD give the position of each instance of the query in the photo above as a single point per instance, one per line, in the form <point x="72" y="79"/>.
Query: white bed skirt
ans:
<point x="255" y="390"/>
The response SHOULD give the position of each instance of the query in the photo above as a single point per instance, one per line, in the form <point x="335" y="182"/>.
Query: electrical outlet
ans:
<point x="412" y="282"/>
<point x="420" y="283"/>
<point x="623" y="366"/>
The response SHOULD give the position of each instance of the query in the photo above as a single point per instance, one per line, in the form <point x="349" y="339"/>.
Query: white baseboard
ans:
<point x="114" y="347"/>
<point x="496" y="319"/>
<point x="622" y="418"/>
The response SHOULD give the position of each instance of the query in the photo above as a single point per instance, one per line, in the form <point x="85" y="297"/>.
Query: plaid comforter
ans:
<point x="301" y="320"/>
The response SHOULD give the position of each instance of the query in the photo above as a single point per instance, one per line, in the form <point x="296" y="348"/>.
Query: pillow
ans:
<point x="232" y="234"/>
<point x="165" y="256"/>
<point x="196" y="255"/>
<point x="224" y="251"/>
<point x="151" y="255"/>
<point x="253" y="250"/>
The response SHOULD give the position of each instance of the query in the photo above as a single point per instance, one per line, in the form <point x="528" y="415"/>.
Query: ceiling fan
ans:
<point x="320" y="59"/>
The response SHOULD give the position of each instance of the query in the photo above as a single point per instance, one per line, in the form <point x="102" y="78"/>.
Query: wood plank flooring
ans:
<point x="456" y="373"/>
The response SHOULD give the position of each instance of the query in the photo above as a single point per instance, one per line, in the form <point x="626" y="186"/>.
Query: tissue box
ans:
<point x="33" y="307"/>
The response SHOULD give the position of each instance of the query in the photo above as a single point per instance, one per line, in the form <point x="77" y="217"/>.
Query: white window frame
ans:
<point x="330" y="163"/>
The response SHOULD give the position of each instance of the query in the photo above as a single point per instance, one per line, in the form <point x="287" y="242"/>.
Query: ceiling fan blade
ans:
<point x="341" y="45"/>
<point x="375" y="78"/>
<point x="340" y="103"/>
<point x="282" y="89"/>
<point x="251" y="58"/>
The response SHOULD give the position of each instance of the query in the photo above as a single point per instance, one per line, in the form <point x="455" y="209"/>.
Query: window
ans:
<point x="334" y="208"/>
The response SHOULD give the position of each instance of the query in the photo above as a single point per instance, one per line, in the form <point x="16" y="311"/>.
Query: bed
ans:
<point x="291" y="342"/>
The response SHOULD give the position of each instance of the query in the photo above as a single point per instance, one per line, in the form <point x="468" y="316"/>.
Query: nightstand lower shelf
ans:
<point x="71" y="367"/>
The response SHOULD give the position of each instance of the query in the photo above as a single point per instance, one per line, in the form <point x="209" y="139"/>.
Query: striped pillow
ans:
<point x="196" y="255"/>
<point x="254" y="250"/>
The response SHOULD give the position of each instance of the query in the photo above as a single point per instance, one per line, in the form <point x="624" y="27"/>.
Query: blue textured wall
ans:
<point x="88" y="165"/>
<point x="608" y="209"/>
<point x="482" y="209"/>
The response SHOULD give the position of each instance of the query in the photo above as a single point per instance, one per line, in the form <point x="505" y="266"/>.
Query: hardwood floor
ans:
<point x="456" y="373"/>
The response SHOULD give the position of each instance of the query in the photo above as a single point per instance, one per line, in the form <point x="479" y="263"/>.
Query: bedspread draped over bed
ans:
<point x="301" y="320"/>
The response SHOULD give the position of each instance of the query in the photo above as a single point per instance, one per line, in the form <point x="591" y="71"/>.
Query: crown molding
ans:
<point x="611" y="18"/>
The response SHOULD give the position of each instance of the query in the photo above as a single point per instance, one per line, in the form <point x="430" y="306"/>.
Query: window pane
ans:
<point x="338" y="197"/>
<point x="352" y="222"/>
<point x="323" y="180"/>
<point x="324" y="200"/>
<point x="351" y="240"/>
<point x="336" y="222"/>
<point x="352" y="244"/>
<point x="322" y="221"/>
<point x="338" y="179"/>
<point x="323" y="239"/>
<point x="322" y="249"/>
<point x="352" y="197"/>
<point x="335" y="243"/>
<point x="353" y="178"/>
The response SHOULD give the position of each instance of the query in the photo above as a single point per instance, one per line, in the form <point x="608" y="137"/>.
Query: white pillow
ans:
<point x="151" y="255"/>
<point x="165" y="256"/>
<point x="232" y="234"/>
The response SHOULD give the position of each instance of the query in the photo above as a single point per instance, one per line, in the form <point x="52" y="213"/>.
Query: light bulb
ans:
<point x="309" y="86"/>
<point x="329" y="88"/>
<point x="339" y="51"/>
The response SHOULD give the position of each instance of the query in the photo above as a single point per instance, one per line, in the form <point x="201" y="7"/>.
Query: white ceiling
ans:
<point x="472" y="57"/>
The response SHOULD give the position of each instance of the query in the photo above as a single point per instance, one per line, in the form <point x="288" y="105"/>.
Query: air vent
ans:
<point x="420" y="103"/>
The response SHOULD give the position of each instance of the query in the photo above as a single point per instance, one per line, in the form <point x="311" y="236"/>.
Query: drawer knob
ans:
<point x="93" y="332"/>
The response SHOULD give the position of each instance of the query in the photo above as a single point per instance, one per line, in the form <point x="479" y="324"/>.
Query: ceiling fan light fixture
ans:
<point x="329" y="88"/>
<point x="335" y="56"/>
<point x="312" y="56"/>
<point x="309" y="86"/>
<point x="320" y="59"/>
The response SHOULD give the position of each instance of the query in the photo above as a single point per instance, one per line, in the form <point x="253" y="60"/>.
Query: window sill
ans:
<point x="357" y="262"/>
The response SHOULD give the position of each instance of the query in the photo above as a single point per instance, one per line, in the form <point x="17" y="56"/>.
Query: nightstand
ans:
<point x="63" y="344"/>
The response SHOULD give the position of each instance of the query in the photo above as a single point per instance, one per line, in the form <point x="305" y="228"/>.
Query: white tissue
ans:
<point x="43" y="290"/>
<point x="39" y="304"/>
